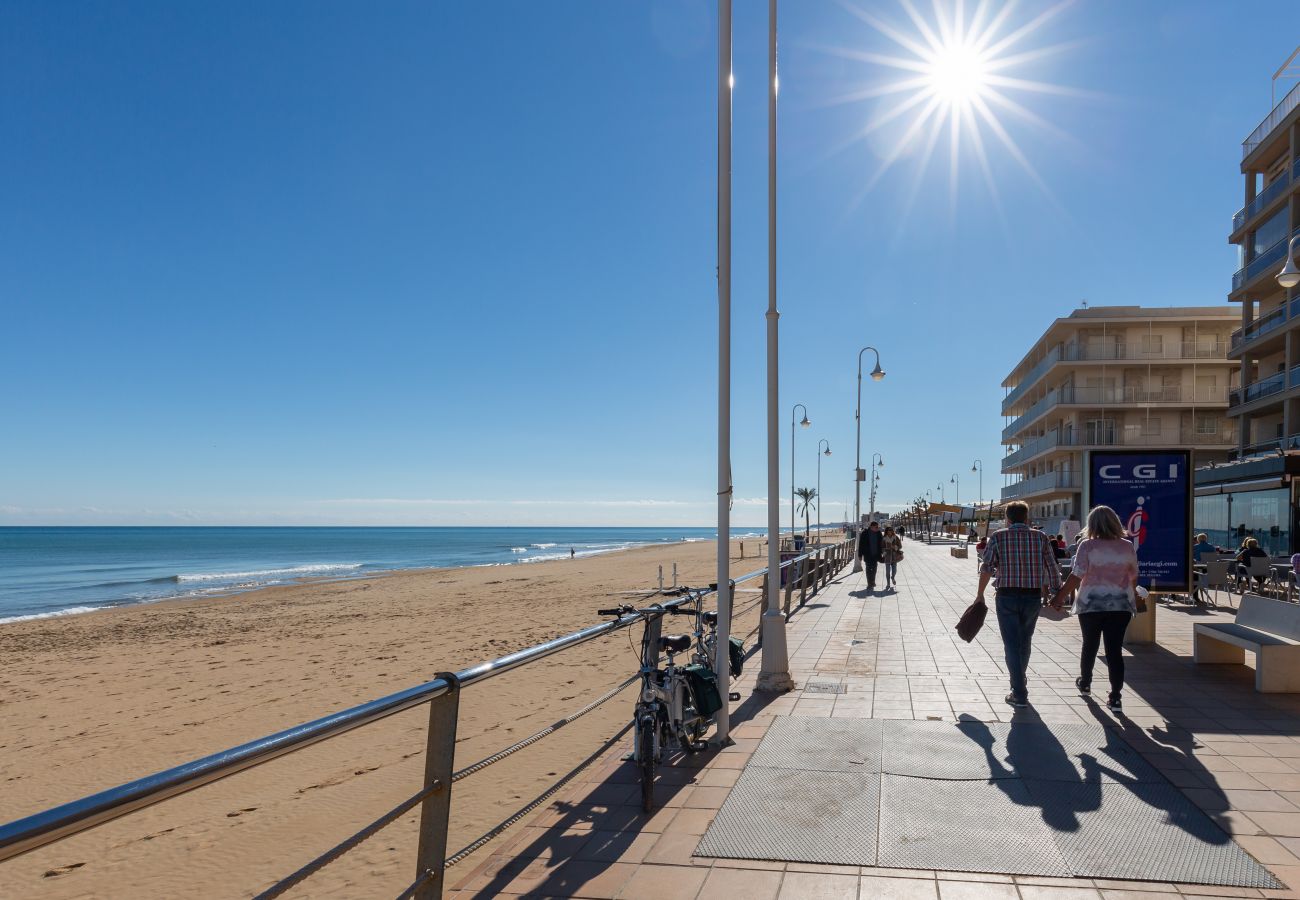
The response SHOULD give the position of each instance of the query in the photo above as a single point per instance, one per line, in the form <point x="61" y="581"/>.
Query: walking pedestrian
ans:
<point x="1024" y="565"/>
<point x="1105" y="573"/>
<point x="871" y="548"/>
<point x="891" y="553"/>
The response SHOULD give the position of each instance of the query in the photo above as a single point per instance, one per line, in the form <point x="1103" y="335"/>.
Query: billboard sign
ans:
<point x="1152" y="493"/>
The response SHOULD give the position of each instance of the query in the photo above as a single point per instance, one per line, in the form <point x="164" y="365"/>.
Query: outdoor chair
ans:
<point x="1257" y="568"/>
<point x="1217" y="579"/>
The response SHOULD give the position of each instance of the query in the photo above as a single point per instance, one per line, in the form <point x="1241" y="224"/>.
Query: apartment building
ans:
<point x="1114" y="377"/>
<point x="1267" y="345"/>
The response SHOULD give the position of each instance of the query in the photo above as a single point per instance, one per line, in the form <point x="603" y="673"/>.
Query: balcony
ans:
<point x="1117" y="396"/>
<point x="1031" y="449"/>
<point x="1265" y="128"/>
<point x="1263" y="325"/>
<point x="1117" y="352"/>
<point x="1050" y="481"/>
<point x="1265" y="197"/>
<point x="1261" y="263"/>
<point x="1273" y="384"/>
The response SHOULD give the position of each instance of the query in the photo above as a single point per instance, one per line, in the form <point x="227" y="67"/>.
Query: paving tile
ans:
<point x="751" y="884"/>
<point x="1043" y="892"/>
<point x="818" y="886"/>
<point x="886" y="888"/>
<point x="663" y="883"/>
<point x="976" y="890"/>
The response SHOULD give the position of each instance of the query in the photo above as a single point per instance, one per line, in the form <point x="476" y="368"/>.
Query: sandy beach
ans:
<point x="88" y="702"/>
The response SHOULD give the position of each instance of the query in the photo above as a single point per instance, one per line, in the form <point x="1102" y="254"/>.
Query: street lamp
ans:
<point x="774" y="674"/>
<point x="939" y="487"/>
<point x="805" y="423"/>
<point x="876" y="375"/>
<point x="876" y="458"/>
<point x="820" y="454"/>
<point x="957" y="492"/>
<point x="978" y="466"/>
<point x="1289" y="277"/>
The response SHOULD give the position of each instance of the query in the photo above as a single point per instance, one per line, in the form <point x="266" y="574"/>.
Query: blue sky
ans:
<point x="314" y="263"/>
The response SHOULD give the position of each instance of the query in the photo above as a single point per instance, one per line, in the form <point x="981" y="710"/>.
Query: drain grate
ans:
<point x="824" y="687"/>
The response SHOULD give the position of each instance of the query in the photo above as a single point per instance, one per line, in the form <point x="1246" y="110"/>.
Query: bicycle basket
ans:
<point x="703" y="685"/>
<point x="736" y="656"/>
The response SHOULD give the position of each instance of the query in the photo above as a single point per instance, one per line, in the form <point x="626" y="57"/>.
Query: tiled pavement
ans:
<point x="1234" y="752"/>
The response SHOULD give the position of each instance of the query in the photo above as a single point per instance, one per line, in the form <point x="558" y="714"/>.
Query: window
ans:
<point x="1099" y="431"/>
<point x="1207" y="388"/>
<point x="1153" y="344"/>
<point x="1207" y="423"/>
<point x="1150" y="427"/>
<point x="1270" y="232"/>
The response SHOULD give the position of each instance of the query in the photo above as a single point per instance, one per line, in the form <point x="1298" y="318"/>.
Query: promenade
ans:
<point x="888" y="667"/>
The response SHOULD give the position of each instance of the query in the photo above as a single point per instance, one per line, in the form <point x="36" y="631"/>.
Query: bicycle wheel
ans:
<point x="645" y="739"/>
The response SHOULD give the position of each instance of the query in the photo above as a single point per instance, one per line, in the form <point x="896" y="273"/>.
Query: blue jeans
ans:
<point x="891" y="572"/>
<point x="1018" y="610"/>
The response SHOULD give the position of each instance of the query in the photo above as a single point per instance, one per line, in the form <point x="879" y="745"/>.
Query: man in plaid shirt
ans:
<point x="1024" y="564"/>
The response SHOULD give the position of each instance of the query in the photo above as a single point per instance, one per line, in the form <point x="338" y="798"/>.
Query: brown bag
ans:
<point x="972" y="620"/>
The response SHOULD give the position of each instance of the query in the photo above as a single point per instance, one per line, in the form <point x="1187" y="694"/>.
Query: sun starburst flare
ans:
<point x="960" y="76"/>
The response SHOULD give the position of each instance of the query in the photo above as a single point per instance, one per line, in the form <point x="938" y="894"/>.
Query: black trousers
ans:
<point x="1108" y="627"/>
<point x="871" y="565"/>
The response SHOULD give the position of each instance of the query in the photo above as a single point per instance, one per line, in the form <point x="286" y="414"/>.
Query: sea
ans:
<point x="48" y="571"/>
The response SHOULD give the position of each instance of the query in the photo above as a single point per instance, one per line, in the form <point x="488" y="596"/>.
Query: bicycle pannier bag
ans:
<point x="736" y="656"/>
<point x="704" y="688"/>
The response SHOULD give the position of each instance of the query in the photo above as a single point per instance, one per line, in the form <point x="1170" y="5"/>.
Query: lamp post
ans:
<point x="820" y="454"/>
<point x="774" y="674"/>
<point x="871" y="501"/>
<point x="978" y="466"/>
<point x="957" y="491"/>
<point x="939" y="487"/>
<point x="724" y="368"/>
<point x="805" y="423"/>
<point x="876" y="375"/>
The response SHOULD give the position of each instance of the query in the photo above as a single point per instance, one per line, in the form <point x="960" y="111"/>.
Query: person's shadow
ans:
<point x="1034" y="754"/>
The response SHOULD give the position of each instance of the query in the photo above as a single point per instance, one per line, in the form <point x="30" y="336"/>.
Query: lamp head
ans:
<point x="827" y="452"/>
<point x="1289" y="277"/>
<point x="805" y="423"/>
<point x="952" y="480"/>
<point x="877" y="374"/>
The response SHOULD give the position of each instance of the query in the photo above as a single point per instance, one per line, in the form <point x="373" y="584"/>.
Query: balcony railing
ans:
<point x="1050" y="481"/>
<point x="1280" y="112"/>
<point x="1117" y="352"/>
<point x="1262" y="262"/>
<point x="1030" y="449"/>
<point x="1263" y="199"/>
<point x="1114" y="396"/>
<point x="1273" y="384"/>
<point x="1264" y="324"/>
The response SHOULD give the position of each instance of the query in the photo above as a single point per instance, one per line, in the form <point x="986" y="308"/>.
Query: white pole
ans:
<point x="721" y="663"/>
<point x="774" y="674"/>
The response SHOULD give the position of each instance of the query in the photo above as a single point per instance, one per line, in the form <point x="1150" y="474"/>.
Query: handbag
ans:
<point x="971" y="621"/>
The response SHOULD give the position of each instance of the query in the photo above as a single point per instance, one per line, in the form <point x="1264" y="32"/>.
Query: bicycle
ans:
<point x="677" y="703"/>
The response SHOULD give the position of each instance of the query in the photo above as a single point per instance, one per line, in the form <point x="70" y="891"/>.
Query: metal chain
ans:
<point x="550" y="729"/>
<point x="460" y="855"/>
<point x="347" y="844"/>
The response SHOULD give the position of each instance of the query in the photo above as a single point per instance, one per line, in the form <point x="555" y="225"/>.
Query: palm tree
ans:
<point x="807" y="496"/>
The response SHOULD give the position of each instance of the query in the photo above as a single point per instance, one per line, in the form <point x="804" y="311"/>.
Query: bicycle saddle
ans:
<point x="675" y="643"/>
<point x="710" y="618"/>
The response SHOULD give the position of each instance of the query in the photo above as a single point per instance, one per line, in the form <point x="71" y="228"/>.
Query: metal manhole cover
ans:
<point x="823" y="687"/>
<point x="853" y="643"/>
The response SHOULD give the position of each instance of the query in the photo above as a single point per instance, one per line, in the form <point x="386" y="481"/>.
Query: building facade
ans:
<point x="1114" y="377"/>
<point x="1267" y="345"/>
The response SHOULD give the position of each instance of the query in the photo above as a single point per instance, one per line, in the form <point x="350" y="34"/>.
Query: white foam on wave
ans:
<point x="518" y="549"/>
<point x="262" y="573"/>
<point x="70" y="611"/>
<point x="543" y="546"/>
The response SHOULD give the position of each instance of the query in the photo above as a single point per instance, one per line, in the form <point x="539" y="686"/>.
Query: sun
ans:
<point x="958" y="74"/>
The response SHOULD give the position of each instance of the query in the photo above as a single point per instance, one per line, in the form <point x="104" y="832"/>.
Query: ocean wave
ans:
<point x="543" y="546"/>
<point x="291" y="571"/>
<point x="518" y="549"/>
<point x="70" y="611"/>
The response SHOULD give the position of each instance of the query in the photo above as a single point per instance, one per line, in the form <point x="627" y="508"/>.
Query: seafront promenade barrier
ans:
<point x="806" y="573"/>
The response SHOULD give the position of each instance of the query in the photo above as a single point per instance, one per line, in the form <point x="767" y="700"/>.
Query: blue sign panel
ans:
<point x="1152" y="493"/>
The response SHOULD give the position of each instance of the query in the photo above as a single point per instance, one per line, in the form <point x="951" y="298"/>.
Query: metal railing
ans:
<point x="1264" y="324"/>
<point x="1049" y="481"/>
<point x="1120" y="351"/>
<point x="1270" y="193"/>
<point x="1030" y="449"/>
<point x="1070" y="395"/>
<point x="806" y="573"/>
<point x="1265" y="387"/>
<point x="1271" y="121"/>
<point x="1262" y="262"/>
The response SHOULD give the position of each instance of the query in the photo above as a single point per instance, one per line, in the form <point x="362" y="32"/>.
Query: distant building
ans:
<point x="1114" y="377"/>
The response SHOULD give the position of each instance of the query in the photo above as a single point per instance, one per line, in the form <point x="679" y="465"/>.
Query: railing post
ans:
<point x="789" y="587"/>
<point x="762" y="606"/>
<point x="439" y="763"/>
<point x="804" y="570"/>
